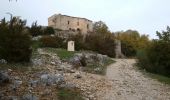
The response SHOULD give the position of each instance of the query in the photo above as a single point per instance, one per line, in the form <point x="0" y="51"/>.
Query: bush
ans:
<point x="48" y="31"/>
<point x="15" y="41"/>
<point x="131" y="42"/>
<point x="156" y="58"/>
<point x="101" y="43"/>
<point x="79" y="43"/>
<point x="159" y="57"/>
<point x="69" y="94"/>
<point x="52" y="41"/>
<point x="35" y="29"/>
<point x="127" y="49"/>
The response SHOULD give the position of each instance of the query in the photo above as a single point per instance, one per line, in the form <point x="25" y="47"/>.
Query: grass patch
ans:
<point x="23" y="67"/>
<point x="35" y="44"/>
<point x="109" y="61"/>
<point x="96" y="68"/>
<point x="160" y="78"/>
<point x="68" y="94"/>
<point x="62" y="53"/>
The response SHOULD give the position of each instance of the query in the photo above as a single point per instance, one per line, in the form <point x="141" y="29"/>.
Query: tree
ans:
<point x="15" y="40"/>
<point x="165" y="35"/>
<point x="48" y="30"/>
<point x="100" y="27"/>
<point x="35" y="29"/>
<point x="132" y="41"/>
<point x="156" y="57"/>
<point x="52" y="41"/>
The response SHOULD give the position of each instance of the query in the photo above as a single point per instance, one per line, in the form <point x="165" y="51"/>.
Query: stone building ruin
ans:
<point x="66" y="23"/>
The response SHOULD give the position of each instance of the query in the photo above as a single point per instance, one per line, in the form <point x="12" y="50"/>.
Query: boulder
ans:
<point x="3" y="61"/>
<point x="29" y="97"/>
<point x="75" y="60"/>
<point x="78" y="75"/>
<point x="37" y="62"/>
<point x="4" y="78"/>
<point x="17" y="83"/>
<point x="87" y="59"/>
<point x="50" y="79"/>
<point x="68" y="86"/>
<point x="33" y="83"/>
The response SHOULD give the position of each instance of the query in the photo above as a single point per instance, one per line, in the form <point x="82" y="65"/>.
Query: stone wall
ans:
<point x="65" y="22"/>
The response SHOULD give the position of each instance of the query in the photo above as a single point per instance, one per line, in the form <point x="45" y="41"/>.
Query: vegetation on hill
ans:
<point x="156" y="57"/>
<point x="36" y="30"/>
<point x="52" y="41"/>
<point x="101" y="40"/>
<point x="66" y="94"/>
<point x="15" y="41"/>
<point x="61" y="53"/>
<point x="131" y="42"/>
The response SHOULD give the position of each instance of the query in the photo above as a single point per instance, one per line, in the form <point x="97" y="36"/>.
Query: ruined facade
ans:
<point x="65" y="22"/>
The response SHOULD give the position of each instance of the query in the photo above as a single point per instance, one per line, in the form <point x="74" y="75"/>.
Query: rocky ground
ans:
<point x="47" y="74"/>
<point x="128" y="83"/>
<point x="123" y="81"/>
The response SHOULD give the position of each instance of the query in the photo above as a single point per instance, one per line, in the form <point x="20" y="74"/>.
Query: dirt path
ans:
<point x="123" y="81"/>
<point x="130" y="84"/>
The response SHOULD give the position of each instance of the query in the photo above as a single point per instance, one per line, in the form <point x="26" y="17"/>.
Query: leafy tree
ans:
<point x="15" y="40"/>
<point x="79" y="43"/>
<point x="156" y="57"/>
<point x="48" y="30"/>
<point x="132" y="41"/>
<point x="165" y="35"/>
<point x="35" y="29"/>
<point x="101" y="41"/>
<point x="100" y="27"/>
<point x="52" y="41"/>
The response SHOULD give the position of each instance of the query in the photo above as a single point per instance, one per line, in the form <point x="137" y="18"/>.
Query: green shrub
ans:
<point x="68" y="94"/>
<point x="48" y="31"/>
<point x="15" y="41"/>
<point x="62" y="53"/>
<point x="79" y="43"/>
<point x="156" y="58"/>
<point x="132" y="41"/>
<point x="101" y="43"/>
<point x="159" y="57"/>
<point x="52" y="41"/>
<point x="35" y="29"/>
<point x="127" y="49"/>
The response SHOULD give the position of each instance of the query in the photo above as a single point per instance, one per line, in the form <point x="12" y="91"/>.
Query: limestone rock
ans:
<point x="3" y="61"/>
<point x="29" y="97"/>
<point x="49" y="79"/>
<point x="4" y="78"/>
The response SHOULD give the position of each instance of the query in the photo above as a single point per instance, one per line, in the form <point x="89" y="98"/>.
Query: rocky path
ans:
<point x="128" y="83"/>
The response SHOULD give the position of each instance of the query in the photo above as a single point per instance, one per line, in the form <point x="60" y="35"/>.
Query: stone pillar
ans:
<point x="118" y="50"/>
<point x="70" y="46"/>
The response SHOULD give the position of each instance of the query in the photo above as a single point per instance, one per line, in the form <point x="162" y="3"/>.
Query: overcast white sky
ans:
<point x="145" y="16"/>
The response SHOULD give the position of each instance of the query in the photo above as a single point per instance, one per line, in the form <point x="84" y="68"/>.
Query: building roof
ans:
<point x="74" y="17"/>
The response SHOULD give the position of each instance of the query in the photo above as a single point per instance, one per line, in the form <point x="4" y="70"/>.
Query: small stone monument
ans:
<point x="118" y="50"/>
<point x="70" y="46"/>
